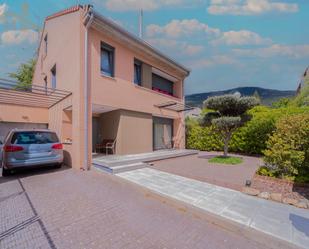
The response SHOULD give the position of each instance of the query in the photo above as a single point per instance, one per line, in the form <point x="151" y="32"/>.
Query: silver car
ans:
<point x="27" y="148"/>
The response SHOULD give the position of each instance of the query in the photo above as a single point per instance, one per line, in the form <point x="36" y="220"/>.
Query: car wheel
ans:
<point x="5" y="172"/>
<point x="58" y="166"/>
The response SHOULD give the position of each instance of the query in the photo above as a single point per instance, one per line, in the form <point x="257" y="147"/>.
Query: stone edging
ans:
<point x="303" y="203"/>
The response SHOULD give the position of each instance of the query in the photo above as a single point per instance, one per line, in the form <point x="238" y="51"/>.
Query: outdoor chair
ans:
<point x="107" y="144"/>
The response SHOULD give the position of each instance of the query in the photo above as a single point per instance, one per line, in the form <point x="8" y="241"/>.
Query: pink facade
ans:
<point x="116" y="107"/>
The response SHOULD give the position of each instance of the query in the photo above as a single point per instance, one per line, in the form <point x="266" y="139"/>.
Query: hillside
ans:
<point x="268" y="96"/>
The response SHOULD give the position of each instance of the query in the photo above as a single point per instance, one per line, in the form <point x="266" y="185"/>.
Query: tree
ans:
<point x="24" y="75"/>
<point x="229" y="113"/>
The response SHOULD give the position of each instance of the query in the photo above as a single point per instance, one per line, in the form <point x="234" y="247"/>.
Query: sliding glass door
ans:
<point x="162" y="133"/>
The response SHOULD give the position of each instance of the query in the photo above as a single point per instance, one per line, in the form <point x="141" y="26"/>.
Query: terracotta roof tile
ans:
<point x="64" y="12"/>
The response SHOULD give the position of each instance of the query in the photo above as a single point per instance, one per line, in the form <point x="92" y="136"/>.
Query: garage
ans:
<point x="5" y="127"/>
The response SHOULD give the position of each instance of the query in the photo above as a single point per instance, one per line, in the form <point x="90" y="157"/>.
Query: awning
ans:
<point x="174" y="106"/>
<point x="35" y="95"/>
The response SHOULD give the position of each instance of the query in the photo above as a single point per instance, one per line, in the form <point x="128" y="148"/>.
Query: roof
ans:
<point x="64" y="12"/>
<point x="134" y="38"/>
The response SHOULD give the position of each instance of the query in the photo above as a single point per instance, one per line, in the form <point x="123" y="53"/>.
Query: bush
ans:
<point x="287" y="150"/>
<point x="202" y="138"/>
<point x="249" y="139"/>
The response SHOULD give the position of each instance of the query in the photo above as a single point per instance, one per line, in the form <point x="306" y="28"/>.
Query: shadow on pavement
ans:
<point x="26" y="172"/>
<point x="300" y="223"/>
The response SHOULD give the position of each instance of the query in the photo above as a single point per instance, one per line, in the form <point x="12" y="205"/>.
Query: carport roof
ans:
<point x="35" y="95"/>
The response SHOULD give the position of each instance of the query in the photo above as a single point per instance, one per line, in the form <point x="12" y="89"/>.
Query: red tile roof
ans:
<point x="64" y="12"/>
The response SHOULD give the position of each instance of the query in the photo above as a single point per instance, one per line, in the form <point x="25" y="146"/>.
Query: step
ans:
<point x="147" y="157"/>
<point x="122" y="168"/>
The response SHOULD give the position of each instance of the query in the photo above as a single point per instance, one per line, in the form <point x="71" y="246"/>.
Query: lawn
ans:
<point x="226" y="160"/>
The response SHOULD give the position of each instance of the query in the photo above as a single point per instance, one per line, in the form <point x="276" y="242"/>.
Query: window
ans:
<point x="107" y="60"/>
<point x="53" y="77"/>
<point x="45" y="82"/>
<point x="162" y="85"/>
<point x="137" y="72"/>
<point x="45" y="44"/>
<point x="34" y="137"/>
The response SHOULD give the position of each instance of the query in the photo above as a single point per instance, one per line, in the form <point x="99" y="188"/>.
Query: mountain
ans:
<point x="268" y="96"/>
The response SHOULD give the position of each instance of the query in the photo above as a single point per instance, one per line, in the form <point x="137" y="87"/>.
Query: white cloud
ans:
<point x="177" y="28"/>
<point x="292" y="51"/>
<point x="19" y="36"/>
<point x="147" y="5"/>
<point x="249" y="7"/>
<point x="3" y="9"/>
<point x="214" y="61"/>
<point x="241" y="37"/>
<point x="179" y="47"/>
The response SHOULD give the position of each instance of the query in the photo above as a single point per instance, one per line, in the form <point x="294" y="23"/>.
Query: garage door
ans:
<point x="5" y="127"/>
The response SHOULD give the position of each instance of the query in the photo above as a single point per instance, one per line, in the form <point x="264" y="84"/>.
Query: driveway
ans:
<point x="197" y="167"/>
<point x="69" y="209"/>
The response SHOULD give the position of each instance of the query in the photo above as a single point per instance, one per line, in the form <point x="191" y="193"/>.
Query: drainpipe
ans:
<point x="87" y="22"/>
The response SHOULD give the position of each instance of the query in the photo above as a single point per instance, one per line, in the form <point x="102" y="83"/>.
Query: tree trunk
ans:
<point x="226" y="144"/>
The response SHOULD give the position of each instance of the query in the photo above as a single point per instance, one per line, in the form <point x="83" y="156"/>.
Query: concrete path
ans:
<point x="287" y="223"/>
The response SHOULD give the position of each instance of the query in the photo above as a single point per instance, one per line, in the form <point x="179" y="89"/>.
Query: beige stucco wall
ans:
<point x="66" y="49"/>
<point x="135" y="133"/>
<point x="25" y="114"/>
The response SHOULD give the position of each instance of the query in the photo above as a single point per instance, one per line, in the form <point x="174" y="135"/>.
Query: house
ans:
<point x="114" y="86"/>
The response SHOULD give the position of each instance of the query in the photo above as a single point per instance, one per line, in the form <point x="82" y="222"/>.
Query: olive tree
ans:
<point x="228" y="113"/>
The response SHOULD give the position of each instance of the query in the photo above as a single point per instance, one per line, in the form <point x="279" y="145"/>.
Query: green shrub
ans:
<point x="287" y="150"/>
<point x="249" y="139"/>
<point x="203" y="138"/>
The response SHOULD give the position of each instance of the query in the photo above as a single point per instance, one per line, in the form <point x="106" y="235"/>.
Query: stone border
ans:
<point x="303" y="203"/>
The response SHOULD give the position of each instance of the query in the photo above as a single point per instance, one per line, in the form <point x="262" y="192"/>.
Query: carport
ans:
<point x="26" y="106"/>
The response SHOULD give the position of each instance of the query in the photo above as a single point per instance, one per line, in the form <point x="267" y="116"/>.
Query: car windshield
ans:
<point x="34" y="137"/>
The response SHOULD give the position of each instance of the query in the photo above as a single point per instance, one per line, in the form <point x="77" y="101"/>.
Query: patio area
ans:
<point x="197" y="167"/>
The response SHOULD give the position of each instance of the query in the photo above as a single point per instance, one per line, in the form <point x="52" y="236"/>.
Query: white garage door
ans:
<point x="5" y="127"/>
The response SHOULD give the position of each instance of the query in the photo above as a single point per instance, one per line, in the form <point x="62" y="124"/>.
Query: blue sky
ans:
<point x="226" y="43"/>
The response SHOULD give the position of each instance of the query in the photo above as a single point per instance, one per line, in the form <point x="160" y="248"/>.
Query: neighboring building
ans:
<point x="304" y="78"/>
<point x="121" y="87"/>
<point x="193" y="113"/>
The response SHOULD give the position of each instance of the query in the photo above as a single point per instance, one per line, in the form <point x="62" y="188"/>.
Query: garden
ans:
<point x="279" y="134"/>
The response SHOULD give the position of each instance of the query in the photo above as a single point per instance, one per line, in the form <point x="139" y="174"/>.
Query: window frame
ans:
<point x="45" y="44"/>
<point x="111" y="51"/>
<point x="53" y="77"/>
<point x="139" y="64"/>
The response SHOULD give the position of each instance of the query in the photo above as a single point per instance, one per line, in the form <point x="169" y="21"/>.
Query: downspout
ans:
<point x="87" y="22"/>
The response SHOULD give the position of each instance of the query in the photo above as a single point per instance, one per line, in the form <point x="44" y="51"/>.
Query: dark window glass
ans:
<point x="53" y="77"/>
<point x="34" y="137"/>
<point x="46" y="43"/>
<point x="137" y="72"/>
<point x="162" y="85"/>
<point x="46" y="84"/>
<point x="107" y="60"/>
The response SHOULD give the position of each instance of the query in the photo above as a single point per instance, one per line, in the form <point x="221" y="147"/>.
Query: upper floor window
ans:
<point x="162" y="85"/>
<point x="137" y="72"/>
<point x="45" y="44"/>
<point x="107" y="59"/>
<point x="53" y="77"/>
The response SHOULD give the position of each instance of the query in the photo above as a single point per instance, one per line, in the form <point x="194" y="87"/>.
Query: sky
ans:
<point x="225" y="43"/>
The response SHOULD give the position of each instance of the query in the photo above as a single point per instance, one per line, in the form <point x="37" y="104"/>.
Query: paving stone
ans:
<point x="73" y="210"/>
<point x="275" y="219"/>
